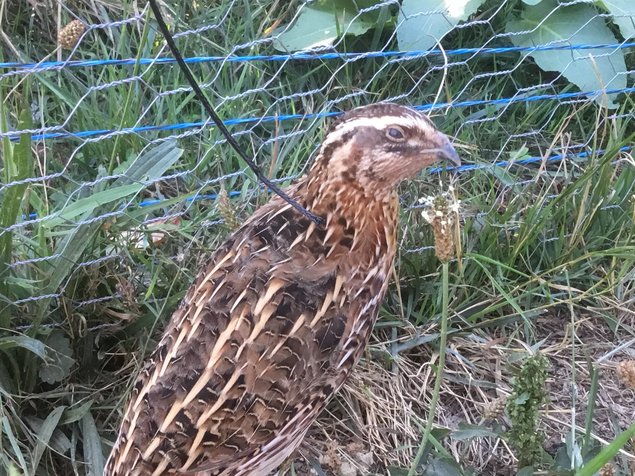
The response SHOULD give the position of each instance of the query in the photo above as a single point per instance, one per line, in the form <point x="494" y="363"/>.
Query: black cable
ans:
<point x="219" y="123"/>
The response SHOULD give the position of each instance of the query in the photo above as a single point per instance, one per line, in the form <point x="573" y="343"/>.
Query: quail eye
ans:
<point x="395" y="134"/>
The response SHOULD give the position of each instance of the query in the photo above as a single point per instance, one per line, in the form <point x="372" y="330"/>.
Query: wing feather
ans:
<point x="251" y="355"/>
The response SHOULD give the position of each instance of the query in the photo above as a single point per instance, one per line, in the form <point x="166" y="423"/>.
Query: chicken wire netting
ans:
<point x="127" y="174"/>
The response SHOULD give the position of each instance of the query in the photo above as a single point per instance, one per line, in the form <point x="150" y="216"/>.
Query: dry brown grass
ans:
<point x="377" y="419"/>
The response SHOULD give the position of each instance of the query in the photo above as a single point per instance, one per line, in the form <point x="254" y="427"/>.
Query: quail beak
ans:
<point x="448" y="153"/>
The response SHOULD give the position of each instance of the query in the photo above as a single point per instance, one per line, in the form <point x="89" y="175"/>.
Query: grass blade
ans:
<point x="17" y="166"/>
<point x="13" y="441"/>
<point x="87" y="206"/>
<point x="148" y="166"/>
<point x="44" y="435"/>
<point x="93" y="453"/>
<point x="607" y="453"/>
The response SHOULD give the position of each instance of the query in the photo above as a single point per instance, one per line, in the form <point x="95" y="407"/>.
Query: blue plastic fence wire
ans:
<point x="51" y="65"/>
<point x="36" y="134"/>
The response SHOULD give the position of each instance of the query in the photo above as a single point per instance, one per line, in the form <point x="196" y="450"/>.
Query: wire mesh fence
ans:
<point x="124" y="160"/>
<point x="116" y="185"/>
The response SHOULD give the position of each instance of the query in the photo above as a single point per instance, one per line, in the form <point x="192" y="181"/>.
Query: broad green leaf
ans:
<point x="49" y="434"/>
<point x="623" y="12"/>
<point x="589" y="70"/>
<point x="89" y="204"/>
<point x="60" y="359"/>
<point x="28" y="343"/>
<point x="60" y="443"/>
<point x="422" y="23"/>
<point x="93" y="453"/>
<point x="604" y="456"/>
<point x="75" y="413"/>
<point x="150" y="165"/>
<point x="322" y="23"/>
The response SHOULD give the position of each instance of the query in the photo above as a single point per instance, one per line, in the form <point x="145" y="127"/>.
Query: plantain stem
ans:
<point x="439" y="370"/>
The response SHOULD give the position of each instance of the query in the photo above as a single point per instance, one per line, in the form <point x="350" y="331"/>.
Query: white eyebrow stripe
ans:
<point x="380" y="122"/>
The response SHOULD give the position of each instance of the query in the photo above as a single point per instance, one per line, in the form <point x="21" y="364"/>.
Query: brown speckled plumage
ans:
<point x="275" y="321"/>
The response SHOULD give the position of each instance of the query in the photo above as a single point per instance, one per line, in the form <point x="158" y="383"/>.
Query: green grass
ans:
<point x="555" y="240"/>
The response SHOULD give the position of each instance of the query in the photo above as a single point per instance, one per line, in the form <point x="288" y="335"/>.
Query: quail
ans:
<point x="274" y="322"/>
